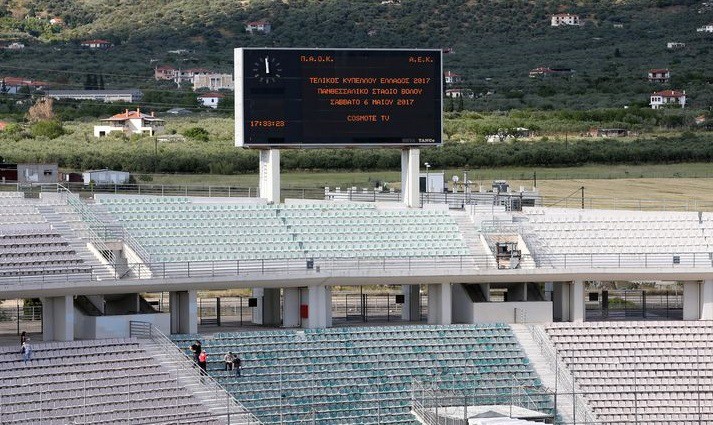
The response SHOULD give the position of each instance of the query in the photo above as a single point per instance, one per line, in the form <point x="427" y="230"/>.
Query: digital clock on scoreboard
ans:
<point x="320" y="98"/>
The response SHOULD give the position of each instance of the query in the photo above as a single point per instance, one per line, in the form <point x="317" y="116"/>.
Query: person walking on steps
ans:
<point x="203" y="361"/>
<point x="26" y="350"/>
<point x="196" y="349"/>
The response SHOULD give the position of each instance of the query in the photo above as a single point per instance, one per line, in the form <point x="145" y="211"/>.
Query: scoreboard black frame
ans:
<point x="336" y="98"/>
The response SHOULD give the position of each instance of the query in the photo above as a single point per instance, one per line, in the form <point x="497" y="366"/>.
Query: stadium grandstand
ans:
<point x="502" y="316"/>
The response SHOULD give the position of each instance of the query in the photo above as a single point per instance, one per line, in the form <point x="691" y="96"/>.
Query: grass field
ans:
<point x="484" y="175"/>
<point x="691" y="183"/>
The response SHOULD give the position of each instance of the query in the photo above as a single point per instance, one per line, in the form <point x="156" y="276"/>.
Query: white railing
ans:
<point x="401" y="266"/>
<point x="590" y="202"/>
<point x="203" y="385"/>
<point x="429" y="407"/>
<point x="564" y="379"/>
<point x="434" y="405"/>
<point x="91" y="221"/>
<point x="98" y="231"/>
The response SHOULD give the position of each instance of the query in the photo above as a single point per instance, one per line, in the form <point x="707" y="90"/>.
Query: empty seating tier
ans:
<point x="176" y="229"/>
<point x="612" y="232"/>
<point x="36" y="249"/>
<point x="364" y="375"/>
<point x="102" y="381"/>
<point x="650" y="372"/>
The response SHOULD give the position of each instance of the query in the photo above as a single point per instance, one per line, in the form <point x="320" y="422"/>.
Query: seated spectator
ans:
<point x="228" y="358"/>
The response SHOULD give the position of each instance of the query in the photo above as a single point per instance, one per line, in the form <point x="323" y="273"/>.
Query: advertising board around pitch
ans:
<point x="324" y="98"/>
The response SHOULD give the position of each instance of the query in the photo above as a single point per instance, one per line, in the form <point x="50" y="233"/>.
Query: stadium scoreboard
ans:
<point x="323" y="98"/>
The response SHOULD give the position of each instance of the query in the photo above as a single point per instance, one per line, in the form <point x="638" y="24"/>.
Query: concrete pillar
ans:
<point x="576" y="305"/>
<point x="561" y="302"/>
<point x="410" y="177"/>
<point x="485" y="291"/>
<point x="440" y="308"/>
<point x="549" y="289"/>
<point x="411" y="309"/>
<point x="691" y="300"/>
<point x="58" y="318"/>
<point x="707" y="300"/>
<point x="291" y="307"/>
<point x="121" y="264"/>
<point x="319" y="307"/>
<point x="328" y="306"/>
<point x="267" y="311"/>
<point x="270" y="175"/>
<point x="183" y="306"/>
<point x="517" y="292"/>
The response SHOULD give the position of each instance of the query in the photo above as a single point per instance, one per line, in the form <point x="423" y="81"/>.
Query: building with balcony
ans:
<point x="668" y="98"/>
<point x="130" y="122"/>
<point x="659" y="76"/>
<point x="565" y="19"/>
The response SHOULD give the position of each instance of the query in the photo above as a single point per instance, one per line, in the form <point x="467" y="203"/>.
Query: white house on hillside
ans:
<point x="213" y="81"/>
<point x="262" y="27"/>
<point x="96" y="44"/>
<point x="210" y="100"/>
<point x="130" y="122"/>
<point x="665" y="98"/>
<point x="561" y="19"/>
<point x="705" y="28"/>
<point x="452" y="78"/>
<point x="458" y="93"/>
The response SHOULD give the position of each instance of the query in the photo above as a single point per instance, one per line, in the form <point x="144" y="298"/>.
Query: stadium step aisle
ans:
<point x="364" y="375"/>
<point x="484" y="257"/>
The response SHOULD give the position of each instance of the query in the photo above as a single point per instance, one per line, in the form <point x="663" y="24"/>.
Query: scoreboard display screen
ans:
<point x="322" y="98"/>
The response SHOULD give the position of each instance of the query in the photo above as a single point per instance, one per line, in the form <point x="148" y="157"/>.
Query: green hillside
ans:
<point x="495" y="42"/>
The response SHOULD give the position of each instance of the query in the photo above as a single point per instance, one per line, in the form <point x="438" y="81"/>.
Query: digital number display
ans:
<point x="320" y="98"/>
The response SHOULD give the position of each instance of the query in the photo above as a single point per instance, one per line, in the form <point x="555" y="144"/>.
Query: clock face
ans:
<point x="267" y="69"/>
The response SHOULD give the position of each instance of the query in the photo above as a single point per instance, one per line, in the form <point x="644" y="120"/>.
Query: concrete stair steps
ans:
<point x="548" y="375"/>
<point x="215" y="400"/>
<point x="471" y="235"/>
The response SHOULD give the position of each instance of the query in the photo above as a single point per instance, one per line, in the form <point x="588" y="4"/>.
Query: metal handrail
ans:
<point x="565" y="380"/>
<point x="337" y="265"/>
<point x="100" y="231"/>
<point x="432" y="399"/>
<point x="189" y="369"/>
<point x="91" y="220"/>
<point x="590" y="202"/>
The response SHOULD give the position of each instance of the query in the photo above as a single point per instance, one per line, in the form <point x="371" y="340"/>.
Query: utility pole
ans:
<point x="582" y="196"/>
